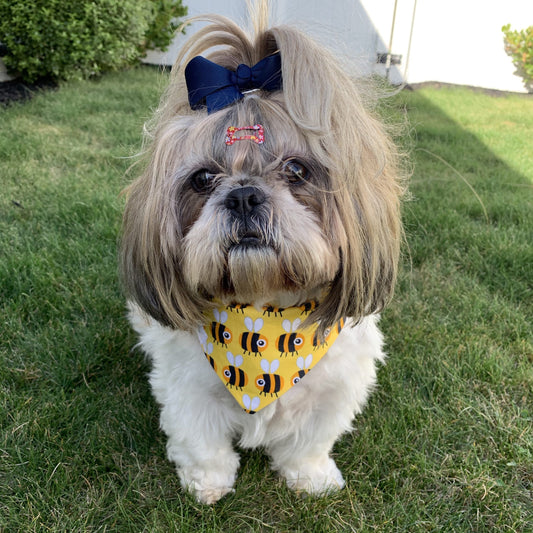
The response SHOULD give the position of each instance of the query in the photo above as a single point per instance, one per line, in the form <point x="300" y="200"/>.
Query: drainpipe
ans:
<point x="408" y="55"/>
<point x="389" y="54"/>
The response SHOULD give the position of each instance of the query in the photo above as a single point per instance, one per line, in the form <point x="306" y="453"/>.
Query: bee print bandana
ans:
<point x="260" y="354"/>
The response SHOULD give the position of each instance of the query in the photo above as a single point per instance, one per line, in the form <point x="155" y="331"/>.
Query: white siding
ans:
<point x="453" y="41"/>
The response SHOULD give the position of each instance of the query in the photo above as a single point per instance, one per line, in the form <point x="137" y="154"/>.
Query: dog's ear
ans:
<point x="150" y="272"/>
<point x="329" y="107"/>
<point x="152" y="232"/>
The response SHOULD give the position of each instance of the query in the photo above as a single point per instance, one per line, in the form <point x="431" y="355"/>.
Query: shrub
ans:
<point x="519" y="45"/>
<point x="62" y="40"/>
<point x="164" y="23"/>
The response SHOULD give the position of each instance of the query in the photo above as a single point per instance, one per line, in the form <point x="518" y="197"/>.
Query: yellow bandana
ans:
<point x="260" y="355"/>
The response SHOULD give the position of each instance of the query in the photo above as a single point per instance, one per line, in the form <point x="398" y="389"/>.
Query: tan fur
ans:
<point x="340" y="233"/>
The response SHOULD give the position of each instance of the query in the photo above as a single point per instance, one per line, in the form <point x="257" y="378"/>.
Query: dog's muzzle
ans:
<point x="244" y="204"/>
<point x="243" y="201"/>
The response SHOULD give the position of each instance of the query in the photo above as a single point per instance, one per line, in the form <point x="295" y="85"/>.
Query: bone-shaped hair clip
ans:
<point x="258" y="137"/>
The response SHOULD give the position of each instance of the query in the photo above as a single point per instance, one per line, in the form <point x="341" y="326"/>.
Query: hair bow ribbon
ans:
<point x="216" y="87"/>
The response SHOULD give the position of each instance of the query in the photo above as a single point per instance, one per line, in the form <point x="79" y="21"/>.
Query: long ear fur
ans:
<point x="364" y="171"/>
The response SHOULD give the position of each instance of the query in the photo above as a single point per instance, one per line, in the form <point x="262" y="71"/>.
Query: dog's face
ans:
<point x="312" y="210"/>
<point x="256" y="220"/>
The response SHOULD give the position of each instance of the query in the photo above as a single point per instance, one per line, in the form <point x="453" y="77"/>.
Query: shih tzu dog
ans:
<point x="258" y="245"/>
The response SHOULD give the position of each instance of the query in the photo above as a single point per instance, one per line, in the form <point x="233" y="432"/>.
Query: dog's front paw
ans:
<point x="209" y="485"/>
<point x="316" y="476"/>
<point x="208" y="495"/>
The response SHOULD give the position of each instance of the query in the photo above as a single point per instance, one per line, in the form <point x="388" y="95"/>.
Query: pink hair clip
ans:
<point x="258" y="137"/>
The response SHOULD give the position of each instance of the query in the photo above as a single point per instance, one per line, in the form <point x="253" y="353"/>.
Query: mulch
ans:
<point x="16" y="90"/>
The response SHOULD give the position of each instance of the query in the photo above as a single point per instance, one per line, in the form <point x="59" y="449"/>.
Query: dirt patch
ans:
<point x="16" y="90"/>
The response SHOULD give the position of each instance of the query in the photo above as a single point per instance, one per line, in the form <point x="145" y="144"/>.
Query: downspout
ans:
<point x="389" y="54"/>
<point x="409" y="45"/>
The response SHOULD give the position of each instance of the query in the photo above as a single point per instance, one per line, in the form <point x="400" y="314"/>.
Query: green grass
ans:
<point x="446" y="442"/>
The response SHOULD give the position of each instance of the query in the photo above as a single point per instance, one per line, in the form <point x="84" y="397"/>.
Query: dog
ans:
<point x="269" y="189"/>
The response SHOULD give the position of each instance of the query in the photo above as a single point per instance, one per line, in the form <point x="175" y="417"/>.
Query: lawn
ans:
<point x="446" y="443"/>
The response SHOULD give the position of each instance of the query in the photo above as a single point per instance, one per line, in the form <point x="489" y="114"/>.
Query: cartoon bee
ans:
<point x="340" y="324"/>
<point x="237" y="307"/>
<point x="269" y="309"/>
<point x="234" y="376"/>
<point x="292" y="341"/>
<point x="303" y="365"/>
<point x="269" y="382"/>
<point x="251" y="404"/>
<point x="317" y="341"/>
<point x="309" y="306"/>
<point x="252" y="341"/>
<point x="327" y="333"/>
<point x="220" y="333"/>
<point x="208" y="351"/>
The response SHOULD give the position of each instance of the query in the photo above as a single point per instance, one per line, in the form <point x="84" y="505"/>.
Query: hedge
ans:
<point x="60" y="40"/>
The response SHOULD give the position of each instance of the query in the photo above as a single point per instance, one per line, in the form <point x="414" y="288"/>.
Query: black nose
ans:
<point x="243" y="200"/>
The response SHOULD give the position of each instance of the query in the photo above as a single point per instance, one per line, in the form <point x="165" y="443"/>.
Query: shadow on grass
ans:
<point x="447" y="219"/>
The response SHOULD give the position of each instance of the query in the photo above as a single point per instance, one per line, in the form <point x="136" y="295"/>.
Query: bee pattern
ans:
<point x="340" y="324"/>
<point x="291" y="341"/>
<point x="337" y="327"/>
<point x="207" y="352"/>
<point x="220" y="333"/>
<point x="251" y="404"/>
<point x="317" y="341"/>
<point x="233" y="375"/>
<point x="303" y="365"/>
<point x="269" y="382"/>
<point x="269" y="309"/>
<point x="202" y="337"/>
<point x="238" y="307"/>
<point x="309" y="306"/>
<point x="252" y="341"/>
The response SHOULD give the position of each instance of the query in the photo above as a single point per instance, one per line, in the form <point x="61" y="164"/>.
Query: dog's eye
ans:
<point x="203" y="181"/>
<point x="295" y="172"/>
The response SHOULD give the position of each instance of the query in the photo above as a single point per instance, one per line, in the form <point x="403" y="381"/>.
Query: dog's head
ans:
<point x="312" y="210"/>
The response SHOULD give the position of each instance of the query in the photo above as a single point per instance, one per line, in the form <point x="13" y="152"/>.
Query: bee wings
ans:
<point x="234" y="360"/>
<point x="250" y="403"/>
<point x="202" y="336"/>
<point x="253" y="326"/>
<point x="289" y="326"/>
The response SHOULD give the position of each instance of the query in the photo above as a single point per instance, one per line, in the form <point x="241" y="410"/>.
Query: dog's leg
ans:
<point x="195" y="412"/>
<point x="323" y="407"/>
<point x="205" y="462"/>
<point x="305" y="463"/>
<point x="197" y="423"/>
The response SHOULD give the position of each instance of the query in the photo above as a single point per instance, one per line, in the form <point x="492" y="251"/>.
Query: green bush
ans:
<point x="63" y="40"/>
<point x="519" y="45"/>
<point x="164" y="23"/>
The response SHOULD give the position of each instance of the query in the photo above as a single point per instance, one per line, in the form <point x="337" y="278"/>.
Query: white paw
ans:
<point x="208" y="486"/>
<point x="210" y="495"/>
<point x="318" y="477"/>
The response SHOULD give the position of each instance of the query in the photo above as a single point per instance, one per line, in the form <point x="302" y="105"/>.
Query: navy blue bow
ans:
<point x="216" y="87"/>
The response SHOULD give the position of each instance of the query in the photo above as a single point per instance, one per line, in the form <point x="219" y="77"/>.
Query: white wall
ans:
<point x="453" y="41"/>
<point x="460" y="41"/>
<point x="234" y="9"/>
